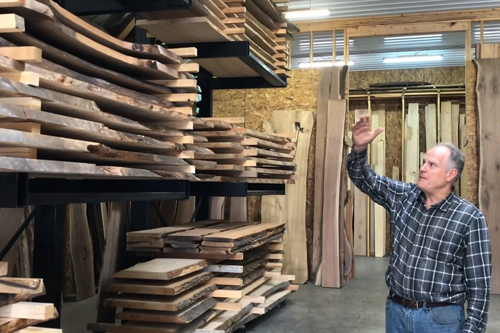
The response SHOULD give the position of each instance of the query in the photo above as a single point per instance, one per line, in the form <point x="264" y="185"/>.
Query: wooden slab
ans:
<point x="145" y="51"/>
<point x="489" y="136"/>
<point x="285" y="208"/>
<point x="28" y="310"/>
<point x="243" y="232"/>
<point x="180" y="317"/>
<point x="170" y="288"/>
<point x="162" y="269"/>
<point x="24" y="286"/>
<point x="198" y="234"/>
<point x="161" y="303"/>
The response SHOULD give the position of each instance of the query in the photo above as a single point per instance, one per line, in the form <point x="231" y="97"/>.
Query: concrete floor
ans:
<point x="358" y="307"/>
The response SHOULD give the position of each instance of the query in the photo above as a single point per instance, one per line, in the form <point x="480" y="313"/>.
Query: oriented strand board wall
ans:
<point x="301" y="94"/>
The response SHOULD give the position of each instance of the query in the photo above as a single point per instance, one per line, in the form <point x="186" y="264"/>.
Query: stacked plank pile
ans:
<point x="247" y="155"/>
<point x="162" y="295"/>
<point x="17" y="313"/>
<point x="257" y="21"/>
<point x="51" y="77"/>
<point x="241" y="262"/>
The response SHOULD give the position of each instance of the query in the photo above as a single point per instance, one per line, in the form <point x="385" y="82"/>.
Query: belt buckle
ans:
<point x="410" y="304"/>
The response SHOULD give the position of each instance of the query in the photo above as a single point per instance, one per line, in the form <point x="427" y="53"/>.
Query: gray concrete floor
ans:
<point x="358" y="307"/>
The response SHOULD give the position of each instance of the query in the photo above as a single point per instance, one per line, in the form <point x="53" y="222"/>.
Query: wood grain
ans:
<point x="162" y="269"/>
<point x="489" y="136"/>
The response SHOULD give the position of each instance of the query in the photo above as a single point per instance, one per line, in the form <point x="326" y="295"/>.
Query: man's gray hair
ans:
<point x="456" y="160"/>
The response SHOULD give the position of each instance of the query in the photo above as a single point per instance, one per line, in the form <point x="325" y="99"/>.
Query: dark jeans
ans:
<point x="445" y="319"/>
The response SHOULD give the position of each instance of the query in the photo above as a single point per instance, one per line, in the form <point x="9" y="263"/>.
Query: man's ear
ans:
<point x="452" y="174"/>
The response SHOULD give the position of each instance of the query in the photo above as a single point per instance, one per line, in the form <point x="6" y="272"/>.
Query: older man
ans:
<point x="441" y="255"/>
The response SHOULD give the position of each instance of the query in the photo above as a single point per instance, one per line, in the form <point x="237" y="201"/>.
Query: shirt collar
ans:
<point x="443" y="204"/>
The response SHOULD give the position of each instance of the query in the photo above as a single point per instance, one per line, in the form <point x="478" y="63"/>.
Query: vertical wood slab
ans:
<point x="330" y="275"/>
<point x="379" y="167"/>
<point x="82" y="256"/>
<point x="463" y="148"/>
<point x="291" y="208"/>
<point x="455" y="130"/>
<point x="360" y="211"/>
<point x="185" y="210"/>
<point x="488" y="99"/>
<point x="114" y="258"/>
<point x="430" y="126"/>
<point x="238" y="210"/>
<point x="374" y="119"/>
<point x="217" y="208"/>
<point x="331" y="87"/>
<point x="412" y="147"/>
<point x="446" y="129"/>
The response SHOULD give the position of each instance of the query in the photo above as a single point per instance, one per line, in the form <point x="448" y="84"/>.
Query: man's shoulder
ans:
<point x="468" y="208"/>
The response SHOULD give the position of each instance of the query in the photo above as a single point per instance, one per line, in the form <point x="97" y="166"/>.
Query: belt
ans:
<point x="416" y="304"/>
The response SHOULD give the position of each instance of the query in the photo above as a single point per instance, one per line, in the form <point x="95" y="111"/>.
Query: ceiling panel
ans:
<point x="360" y="8"/>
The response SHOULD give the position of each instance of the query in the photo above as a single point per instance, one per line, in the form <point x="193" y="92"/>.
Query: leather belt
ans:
<point x="416" y="304"/>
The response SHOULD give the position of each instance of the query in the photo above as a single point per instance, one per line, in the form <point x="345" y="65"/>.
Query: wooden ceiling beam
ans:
<point x="402" y="29"/>
<point x="434" y="17"/>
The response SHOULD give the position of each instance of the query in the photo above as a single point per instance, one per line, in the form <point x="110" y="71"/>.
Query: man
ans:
<point x="441" y="254"/>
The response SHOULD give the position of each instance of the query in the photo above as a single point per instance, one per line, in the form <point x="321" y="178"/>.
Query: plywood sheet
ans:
<point x="291" y="208"/>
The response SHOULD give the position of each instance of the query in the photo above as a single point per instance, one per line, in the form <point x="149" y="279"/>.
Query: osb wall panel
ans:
<point x="301" y="94"/>
<point x="438" y="76"/>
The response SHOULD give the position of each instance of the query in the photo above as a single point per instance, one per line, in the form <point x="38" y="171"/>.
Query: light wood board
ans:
<point x="291" y="208"/>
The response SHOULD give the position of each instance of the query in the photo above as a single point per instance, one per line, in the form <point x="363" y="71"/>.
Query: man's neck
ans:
<point x="434" y="198"/>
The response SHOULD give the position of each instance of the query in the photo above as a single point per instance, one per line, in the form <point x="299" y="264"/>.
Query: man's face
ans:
<point x="434" y="174"/>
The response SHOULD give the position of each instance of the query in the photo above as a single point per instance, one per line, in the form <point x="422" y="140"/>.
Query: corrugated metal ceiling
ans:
<point x="368" y="53"/>
<point x="358" y="8"/>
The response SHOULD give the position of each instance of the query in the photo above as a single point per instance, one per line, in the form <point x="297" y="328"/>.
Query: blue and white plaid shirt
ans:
<point x="441" y="254"/>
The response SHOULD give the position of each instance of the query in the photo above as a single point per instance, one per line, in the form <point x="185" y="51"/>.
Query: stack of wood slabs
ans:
<point x="17" y="312"/>
<point x="58" y="105"/>
<point x="259" y="22"/>
<point x="162" y="295"/>
<point x="247" y="155"/>
<point x="204" y="239"/>
<point x="261" y="296"/>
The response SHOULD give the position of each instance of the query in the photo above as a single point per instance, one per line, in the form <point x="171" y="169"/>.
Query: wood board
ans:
<point x="162" y="269"/>
<point x="488" y="71"/>
<point x="291" y="208"/>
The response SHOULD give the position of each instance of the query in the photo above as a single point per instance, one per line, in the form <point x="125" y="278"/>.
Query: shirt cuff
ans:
<point x="361" y="153"/>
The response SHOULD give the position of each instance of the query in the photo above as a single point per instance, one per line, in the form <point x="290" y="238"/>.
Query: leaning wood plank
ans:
<point x="379" y="147"/>
<point x="292" y="207"/>
<point x="360" y="211"/>
<point x="170" y="288"/>
<point x="330" y="275"/>
<point x="114" y="259"/>
<point x="162" y="269"/>
<point x="412" y="143"/>
<point x="446" y="132"/>
<point x="79" y="65"/>
<point x="4" y="269"/>
<point x="430" y="126"/>
<point x="41" y="23"/>
<point x="180" y="317"/>
<point x="331" y="87"/>
<point x="161" y="303"/>
<point x="489" y="136"/>
<point x="145" y="51"/>
<point x="28" y="310"/>
<point x="82" y="257"/>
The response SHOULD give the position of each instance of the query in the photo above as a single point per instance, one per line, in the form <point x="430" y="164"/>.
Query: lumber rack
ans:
<point x="48" y="195"/>
<point x="96" y="7"/>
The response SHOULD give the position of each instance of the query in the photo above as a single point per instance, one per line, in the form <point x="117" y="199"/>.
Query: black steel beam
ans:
<point x="266" y="189"/>
<point x="96" y="7"/>
<point x="48" y="256"/>
<point x="241" y="50"/>
<point x="219" y="189"/>
<point x="66" y="191"/>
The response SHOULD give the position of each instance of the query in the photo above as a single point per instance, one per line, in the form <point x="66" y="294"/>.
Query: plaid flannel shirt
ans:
<point x="441" y="254"/>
